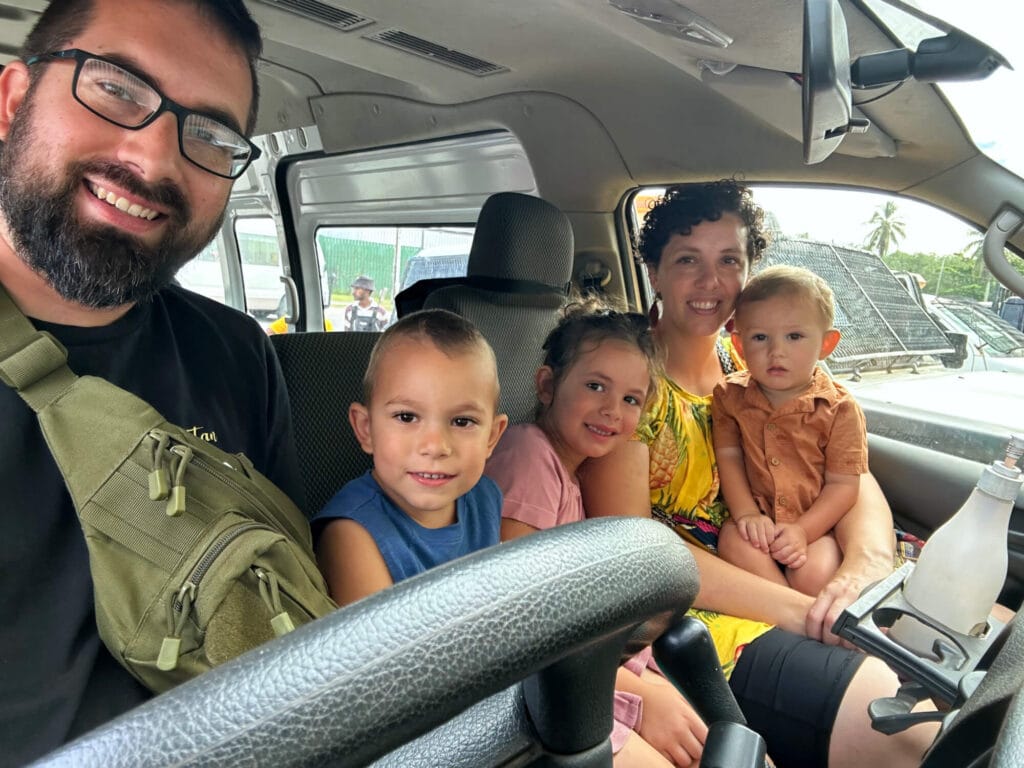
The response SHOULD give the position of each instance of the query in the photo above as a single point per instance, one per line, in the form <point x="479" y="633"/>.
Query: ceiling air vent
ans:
<point x="396" y="38"/>
<point x="324" y="13"/>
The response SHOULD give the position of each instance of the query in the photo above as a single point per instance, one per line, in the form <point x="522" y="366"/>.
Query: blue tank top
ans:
<point x="406" y="546"/>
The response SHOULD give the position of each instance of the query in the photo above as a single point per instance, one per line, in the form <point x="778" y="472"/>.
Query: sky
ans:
<point x="841" y="217"/>
<point x="991" y="107"/>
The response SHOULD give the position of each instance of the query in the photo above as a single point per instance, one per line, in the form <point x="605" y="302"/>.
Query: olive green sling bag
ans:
<point x="195" y="556"/>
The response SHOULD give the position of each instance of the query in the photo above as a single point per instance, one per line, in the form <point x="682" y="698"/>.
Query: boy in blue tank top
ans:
<point x="430" y="420"/>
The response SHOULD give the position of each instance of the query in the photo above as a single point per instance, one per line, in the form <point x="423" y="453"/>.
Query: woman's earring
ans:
<point x="654" y="314"/>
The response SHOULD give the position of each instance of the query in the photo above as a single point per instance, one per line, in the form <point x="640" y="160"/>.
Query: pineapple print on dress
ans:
<point x="664" y="456"/>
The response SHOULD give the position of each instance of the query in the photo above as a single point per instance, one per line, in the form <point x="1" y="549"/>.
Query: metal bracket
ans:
<point x="958" y="655"/>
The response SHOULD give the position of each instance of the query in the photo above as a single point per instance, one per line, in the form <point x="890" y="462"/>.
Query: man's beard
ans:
<point x="95" y="265"/>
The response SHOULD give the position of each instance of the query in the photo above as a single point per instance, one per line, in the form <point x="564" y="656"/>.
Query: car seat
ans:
<point x="517" y="278"/>
<point x="324" y="375"/>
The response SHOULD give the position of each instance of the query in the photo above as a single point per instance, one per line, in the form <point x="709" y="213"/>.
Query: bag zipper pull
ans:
<point x="176" y="500"/>
<point x="160" y="477"/>
<point x="270" y="591"/>
<point x="170" y="648"/>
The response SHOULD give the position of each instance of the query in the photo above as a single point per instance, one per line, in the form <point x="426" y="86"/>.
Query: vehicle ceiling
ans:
<point x="601" y="102"/>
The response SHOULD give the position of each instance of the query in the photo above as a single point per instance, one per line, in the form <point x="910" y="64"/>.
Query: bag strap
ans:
<point x="32" y="362"/>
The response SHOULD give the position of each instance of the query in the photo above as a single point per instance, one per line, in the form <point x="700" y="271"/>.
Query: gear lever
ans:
<point x="687" y="657"/>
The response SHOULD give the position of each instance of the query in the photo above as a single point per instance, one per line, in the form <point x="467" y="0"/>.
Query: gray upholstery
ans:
<point x="324" y="374"/>
<point x="349" y="688"/>
<point x="519" y="239"/>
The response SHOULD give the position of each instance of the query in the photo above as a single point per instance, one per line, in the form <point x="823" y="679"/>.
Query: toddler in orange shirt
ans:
<point x="791" y="443"/>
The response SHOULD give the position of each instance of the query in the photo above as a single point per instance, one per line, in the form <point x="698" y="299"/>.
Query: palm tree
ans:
<point x="771" y="224"/>
<point x="974" y="250"/>
<point x="888" y="229"/>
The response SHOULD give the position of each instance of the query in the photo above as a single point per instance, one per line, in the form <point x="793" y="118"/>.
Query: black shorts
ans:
<point x="789" y="688"/>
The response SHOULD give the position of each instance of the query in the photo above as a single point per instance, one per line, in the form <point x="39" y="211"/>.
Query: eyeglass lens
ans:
<point x="124" y="99"/>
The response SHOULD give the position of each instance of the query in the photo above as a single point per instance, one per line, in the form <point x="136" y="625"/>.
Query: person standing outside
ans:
<point x="364" y="314"/>
<point x="119" y="153"/>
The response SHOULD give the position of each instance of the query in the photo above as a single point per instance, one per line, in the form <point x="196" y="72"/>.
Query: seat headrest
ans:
<point x="521" y="237"/>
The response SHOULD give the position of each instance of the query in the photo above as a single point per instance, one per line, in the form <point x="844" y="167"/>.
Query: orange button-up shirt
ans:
<point x="786" y="451"/>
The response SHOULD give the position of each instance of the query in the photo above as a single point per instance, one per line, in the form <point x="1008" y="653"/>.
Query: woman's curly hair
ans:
<point x="684" y="206"/>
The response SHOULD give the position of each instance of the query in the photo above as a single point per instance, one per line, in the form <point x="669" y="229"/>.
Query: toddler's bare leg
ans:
<point x="823" y="560"/>
<point x="734" y="549"/>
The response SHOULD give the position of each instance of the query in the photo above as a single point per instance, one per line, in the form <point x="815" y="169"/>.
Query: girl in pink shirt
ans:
<point x="598" y="371"/>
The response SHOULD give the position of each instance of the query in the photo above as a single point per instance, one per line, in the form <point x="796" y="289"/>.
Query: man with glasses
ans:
<point x="123" y="126"/>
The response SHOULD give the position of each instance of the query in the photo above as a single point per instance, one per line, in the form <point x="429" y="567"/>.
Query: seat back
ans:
<point x="519" y="268"/>
<point x="324" y="374"/>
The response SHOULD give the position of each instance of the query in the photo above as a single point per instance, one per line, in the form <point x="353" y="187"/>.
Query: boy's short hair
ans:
<point x="784" y="280"/>
<point x="447" y="331"/>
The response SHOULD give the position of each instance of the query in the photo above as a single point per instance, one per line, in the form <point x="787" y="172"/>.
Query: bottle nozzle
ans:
<point x="1014" y="451"/>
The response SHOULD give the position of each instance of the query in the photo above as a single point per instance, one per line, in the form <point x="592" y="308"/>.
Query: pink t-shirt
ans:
<point x="538" y="491"/>
<point x="536" y="488"/>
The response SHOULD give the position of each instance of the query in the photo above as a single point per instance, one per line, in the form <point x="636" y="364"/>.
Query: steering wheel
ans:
<point x="988" y="730"/>
<point x="352" y="687"/>
<point x="505" y="656"/>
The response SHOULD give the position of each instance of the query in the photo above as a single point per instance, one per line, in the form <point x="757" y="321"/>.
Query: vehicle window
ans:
<point x="386" y="260"/>
<point x="923" y="347"/>
<point x="205" y="274"/>
<point x="257" y="288"/>
<point x="260" y="256"/>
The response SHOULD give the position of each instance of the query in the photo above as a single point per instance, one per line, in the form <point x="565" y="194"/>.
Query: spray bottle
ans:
<point x="962" y="568"/>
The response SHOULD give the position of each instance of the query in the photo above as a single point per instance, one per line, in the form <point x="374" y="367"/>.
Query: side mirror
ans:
<point x="958" y="356"/>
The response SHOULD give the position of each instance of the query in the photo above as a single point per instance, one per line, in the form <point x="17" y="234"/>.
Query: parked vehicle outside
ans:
<point x="992" y="343"/>
<point x="1012" y="311"/>
<point x="434" y="262"/>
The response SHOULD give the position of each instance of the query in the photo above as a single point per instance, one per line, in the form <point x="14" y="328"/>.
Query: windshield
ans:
<point x="991" y="109"/>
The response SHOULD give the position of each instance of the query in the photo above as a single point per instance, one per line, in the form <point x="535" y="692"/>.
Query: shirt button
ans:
<point x="770" y="427"/>
<point x="775" y="461"/>
<point x="782" y="501"/>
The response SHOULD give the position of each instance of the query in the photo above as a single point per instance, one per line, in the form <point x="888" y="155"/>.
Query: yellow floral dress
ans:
<point x="676" y="427"/>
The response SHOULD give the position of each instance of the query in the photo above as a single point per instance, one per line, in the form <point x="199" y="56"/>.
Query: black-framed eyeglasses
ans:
<point x="110" y="91"/>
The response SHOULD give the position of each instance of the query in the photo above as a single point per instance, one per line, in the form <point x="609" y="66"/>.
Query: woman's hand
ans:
<point x="669" y="723"/>
<point x="866" y="538"/>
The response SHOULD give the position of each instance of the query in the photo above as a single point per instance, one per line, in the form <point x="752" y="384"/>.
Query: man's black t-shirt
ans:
<point x="205" y="367"/>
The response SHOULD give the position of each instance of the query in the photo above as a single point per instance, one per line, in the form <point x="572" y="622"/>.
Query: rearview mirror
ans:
<point x="827" y="99"/>
<point x="827" y="73"/>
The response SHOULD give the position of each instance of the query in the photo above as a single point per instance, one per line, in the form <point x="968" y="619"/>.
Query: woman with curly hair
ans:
<point x="806" y="695"/>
